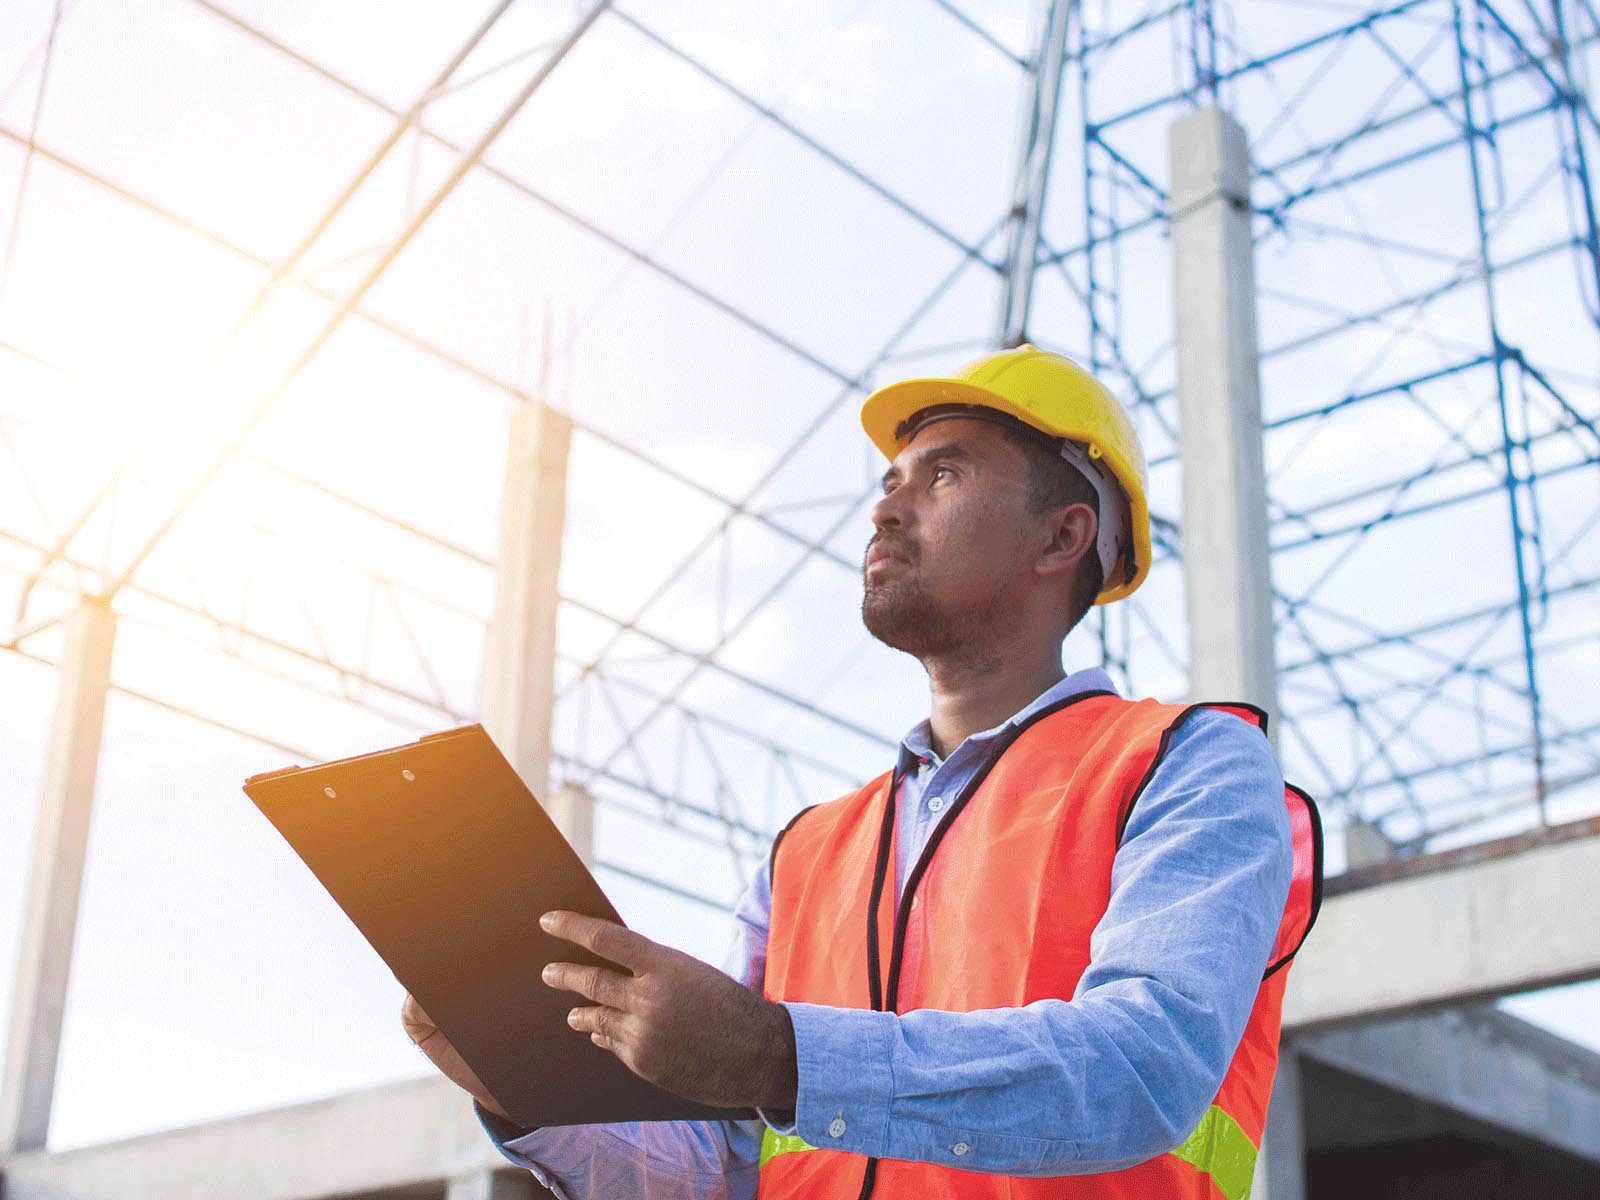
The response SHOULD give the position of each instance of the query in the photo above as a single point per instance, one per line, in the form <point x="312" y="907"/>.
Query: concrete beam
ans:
<point x="1490" y="926"/>
<point x="413" y="1136"/>
<point x="1481" y="1063"/>
<point x="55" y="880"/>
<point x="1224" y="521"/>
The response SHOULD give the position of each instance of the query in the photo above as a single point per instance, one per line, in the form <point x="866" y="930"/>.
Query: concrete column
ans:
<point x="1281" y="1164"/>
<point x="1365" y="844"/>
<point x="1224" y="522"/>
<point x="44" y="958"/>
<point x="520" y="652"/>
<point x="494" y="1185"/>
<point x="572" y="809"/>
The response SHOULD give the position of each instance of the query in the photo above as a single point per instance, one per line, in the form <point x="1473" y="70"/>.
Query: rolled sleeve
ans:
<point x="669" y="1160"/>
<point x="846" y="1081"/>
<point x="524" y="1148"/>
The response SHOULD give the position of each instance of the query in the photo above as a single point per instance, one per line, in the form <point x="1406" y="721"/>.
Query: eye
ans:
<point x="934" y="474"/>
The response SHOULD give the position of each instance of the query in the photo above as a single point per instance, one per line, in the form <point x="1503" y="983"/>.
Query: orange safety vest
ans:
<point x="997" y="913"/>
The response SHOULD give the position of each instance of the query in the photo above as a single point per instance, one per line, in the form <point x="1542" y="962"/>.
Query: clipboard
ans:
<point x="444" y="860"/>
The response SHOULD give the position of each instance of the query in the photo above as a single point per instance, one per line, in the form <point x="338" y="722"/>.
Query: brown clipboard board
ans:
<point x="444" y="860"/>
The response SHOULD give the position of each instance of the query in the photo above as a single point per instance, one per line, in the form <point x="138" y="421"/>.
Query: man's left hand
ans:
<point x="675" y="1021"/>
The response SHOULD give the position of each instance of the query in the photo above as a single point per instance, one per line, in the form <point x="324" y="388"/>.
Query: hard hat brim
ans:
<point x="884" y="410"/>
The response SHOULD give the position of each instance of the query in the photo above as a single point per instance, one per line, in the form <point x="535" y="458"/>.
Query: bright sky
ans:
<point x="708" y="290"/>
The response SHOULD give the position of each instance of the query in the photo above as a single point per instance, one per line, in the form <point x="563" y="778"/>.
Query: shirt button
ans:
<point x="960" y="1148"/>
<point x="937" y="804"/>
<point x="836" y="1127"/>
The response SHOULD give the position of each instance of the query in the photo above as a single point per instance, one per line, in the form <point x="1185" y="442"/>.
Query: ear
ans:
<point x="1072" y="531"/>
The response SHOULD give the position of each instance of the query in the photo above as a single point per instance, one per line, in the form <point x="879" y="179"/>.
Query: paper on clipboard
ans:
<point x="444" y="860"/>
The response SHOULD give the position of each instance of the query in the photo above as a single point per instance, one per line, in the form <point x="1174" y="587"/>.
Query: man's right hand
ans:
<point x="421" y="1030"/>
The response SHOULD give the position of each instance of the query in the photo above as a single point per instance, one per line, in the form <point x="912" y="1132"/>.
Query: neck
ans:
<point x="983" y="688"/>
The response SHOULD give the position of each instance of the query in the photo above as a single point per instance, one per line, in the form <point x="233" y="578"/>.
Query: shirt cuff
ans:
<point x="516" y="1143"/>
<point x="498" y="1128"/>
<point x="846" y="1083"/>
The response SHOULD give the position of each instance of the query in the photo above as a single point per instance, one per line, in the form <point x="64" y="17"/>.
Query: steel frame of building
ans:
<point x="1493" y="53"/>
<point x="1500" y="52"/>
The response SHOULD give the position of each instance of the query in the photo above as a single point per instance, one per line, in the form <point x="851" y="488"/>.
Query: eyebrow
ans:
<point x="950" y="453"/>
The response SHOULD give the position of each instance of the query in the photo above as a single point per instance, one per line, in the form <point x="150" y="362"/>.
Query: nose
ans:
<point x="887" y="512"/>
<point x="890" y="516"/>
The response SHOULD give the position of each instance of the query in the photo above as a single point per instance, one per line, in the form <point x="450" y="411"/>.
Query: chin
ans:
<point x="902" y="618"/>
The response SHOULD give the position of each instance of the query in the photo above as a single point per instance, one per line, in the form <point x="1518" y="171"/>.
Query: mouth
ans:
<point x="879" y="557"/>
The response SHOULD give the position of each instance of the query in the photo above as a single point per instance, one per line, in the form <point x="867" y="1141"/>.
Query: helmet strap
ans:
<point x="1111" y="529"/>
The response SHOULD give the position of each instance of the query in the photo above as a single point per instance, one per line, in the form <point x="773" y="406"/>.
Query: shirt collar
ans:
<point x="916" y="747"/>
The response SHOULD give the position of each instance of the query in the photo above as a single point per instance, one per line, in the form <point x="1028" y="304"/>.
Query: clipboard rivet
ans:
<point x="407" y="775"/>
<point x="330" y="793"/>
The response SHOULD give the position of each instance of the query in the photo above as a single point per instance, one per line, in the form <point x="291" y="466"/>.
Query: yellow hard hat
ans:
<point x="1059" y="398"/>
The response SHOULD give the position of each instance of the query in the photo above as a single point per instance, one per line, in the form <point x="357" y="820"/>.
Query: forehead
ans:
<point x="955" y="438"/>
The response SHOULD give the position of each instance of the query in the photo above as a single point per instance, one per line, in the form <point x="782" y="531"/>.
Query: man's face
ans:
<point x="955" y="517"/>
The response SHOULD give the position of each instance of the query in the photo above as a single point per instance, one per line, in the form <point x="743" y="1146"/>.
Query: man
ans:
<point x="1045" y="955"/>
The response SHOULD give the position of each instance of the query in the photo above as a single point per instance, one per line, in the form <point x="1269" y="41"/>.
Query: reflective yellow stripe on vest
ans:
<point x="1220" y="1149"/>
<point x="1217" y="1147"/>
<point x="774" y="1144"/>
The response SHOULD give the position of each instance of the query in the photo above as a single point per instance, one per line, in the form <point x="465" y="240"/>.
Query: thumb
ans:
<point x="417" y="1022"/>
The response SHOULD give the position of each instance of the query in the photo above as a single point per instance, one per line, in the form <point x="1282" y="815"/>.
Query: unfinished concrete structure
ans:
<point x="1449" y="1064"/>
<point x="1395" y="1066"/>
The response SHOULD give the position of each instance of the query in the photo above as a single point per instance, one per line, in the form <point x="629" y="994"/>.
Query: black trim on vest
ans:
<point x="903" y="915"/>
<point x="772" y="866"/>
<point x="868" y="1177"/>
<point x="1166" y="739"/>
<point x="772" y="854"/>
<point x="1255" y="708"/>
<point x="1316" y="878"/>
<point x="880" y="868"/>
<point x="1155" y="761"/>
<point x="1311" y="808"/>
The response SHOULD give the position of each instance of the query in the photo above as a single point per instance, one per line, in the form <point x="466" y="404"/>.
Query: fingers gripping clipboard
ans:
<point x="444" y="860"/>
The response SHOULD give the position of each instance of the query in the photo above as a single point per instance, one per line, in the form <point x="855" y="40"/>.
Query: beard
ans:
<point x="902" y="614"/>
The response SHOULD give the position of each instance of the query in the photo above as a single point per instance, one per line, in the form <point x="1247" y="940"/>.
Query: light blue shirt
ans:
<point x="1121" y="1072"/>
